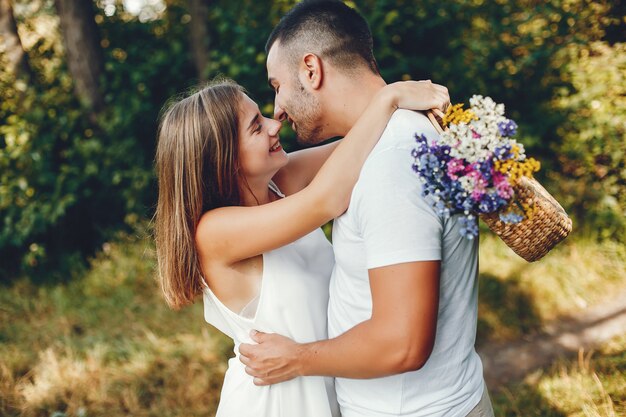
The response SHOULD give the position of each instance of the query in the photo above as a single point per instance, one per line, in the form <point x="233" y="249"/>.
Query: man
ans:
<point x="403" y="297"/>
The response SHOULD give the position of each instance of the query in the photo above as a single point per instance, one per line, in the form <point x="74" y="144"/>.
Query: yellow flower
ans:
<point x="515" y="169"/>
<point x="455" y="114"/>
<point x="529" y="210"/>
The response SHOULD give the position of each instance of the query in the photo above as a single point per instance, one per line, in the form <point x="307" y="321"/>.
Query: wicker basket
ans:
<point x="533" y="237"/>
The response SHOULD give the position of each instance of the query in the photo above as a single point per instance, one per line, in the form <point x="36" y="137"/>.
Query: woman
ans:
<point x="225" y="229"/>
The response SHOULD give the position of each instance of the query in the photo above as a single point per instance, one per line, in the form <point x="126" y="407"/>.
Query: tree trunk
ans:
<point x="10" y="44"/>
<point x="199" y="32"/>
<point x="82" y="48"/>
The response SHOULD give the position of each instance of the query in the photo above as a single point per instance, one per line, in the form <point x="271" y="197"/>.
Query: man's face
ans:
<point x="293" y="102"/>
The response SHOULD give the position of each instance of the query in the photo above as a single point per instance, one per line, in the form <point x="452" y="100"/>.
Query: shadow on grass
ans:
<point x="505" y="310"/>
<point x="522" y="400"/>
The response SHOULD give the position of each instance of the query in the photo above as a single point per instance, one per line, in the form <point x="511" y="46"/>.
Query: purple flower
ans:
<point x="455" y="166"/>
<point x="469" y="226"/>
<point x="511" y="217"/>
<point x="502" y="185"/>
<point x="503" y="152"/>
<point x="507" y="128"/>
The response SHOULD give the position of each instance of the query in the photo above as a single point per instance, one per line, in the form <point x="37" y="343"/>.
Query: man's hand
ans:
<point x="274" y="359"/>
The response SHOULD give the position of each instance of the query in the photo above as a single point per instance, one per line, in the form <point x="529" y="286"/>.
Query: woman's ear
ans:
<point x="313" y="70"/>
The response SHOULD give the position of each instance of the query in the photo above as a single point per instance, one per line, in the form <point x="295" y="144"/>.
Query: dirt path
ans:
<point x="563" y="338"/>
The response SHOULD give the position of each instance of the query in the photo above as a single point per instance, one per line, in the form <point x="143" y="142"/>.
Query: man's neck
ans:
<point x="352" y="98"/>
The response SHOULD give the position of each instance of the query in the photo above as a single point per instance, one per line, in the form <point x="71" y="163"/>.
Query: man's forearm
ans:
<point x="399" y="336"/>
<point x="368" y="350"/>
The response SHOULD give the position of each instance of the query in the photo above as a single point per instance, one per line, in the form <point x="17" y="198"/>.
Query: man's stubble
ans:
<point x="307" y="110"/>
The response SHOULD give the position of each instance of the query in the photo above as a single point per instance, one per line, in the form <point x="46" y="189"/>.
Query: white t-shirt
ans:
<point x="389" y="222"/>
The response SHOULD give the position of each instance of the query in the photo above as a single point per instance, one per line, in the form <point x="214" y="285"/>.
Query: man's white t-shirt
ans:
<point x="389" y="222"/>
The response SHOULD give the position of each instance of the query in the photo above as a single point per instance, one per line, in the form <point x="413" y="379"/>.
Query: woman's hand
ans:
<point x="417" y="95"/>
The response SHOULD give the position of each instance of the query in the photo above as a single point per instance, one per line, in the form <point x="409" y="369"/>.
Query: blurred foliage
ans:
<point x="67" y="179"/>
<point x="592" y="154"/>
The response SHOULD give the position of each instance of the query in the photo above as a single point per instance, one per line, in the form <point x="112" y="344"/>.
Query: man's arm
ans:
<point x="399" y="337"/>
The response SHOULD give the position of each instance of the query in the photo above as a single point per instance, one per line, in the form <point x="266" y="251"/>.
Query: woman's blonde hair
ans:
<point x="197" y="170"/>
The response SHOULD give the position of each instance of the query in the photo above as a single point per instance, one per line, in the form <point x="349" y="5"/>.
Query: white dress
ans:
<point x="293" y="302"/>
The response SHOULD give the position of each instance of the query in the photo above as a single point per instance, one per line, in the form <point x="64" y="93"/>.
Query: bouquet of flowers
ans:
<point x="476" y="168"/>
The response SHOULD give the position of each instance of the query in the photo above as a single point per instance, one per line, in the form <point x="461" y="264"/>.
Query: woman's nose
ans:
<point x="274" y="127"/>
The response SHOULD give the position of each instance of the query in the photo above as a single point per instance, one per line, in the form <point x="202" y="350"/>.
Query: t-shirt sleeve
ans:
<point x="397" y="223"/>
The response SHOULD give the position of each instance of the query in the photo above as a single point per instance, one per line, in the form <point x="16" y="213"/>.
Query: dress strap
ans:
<point x="274" y="188"/>
<point x="204" y="284"/>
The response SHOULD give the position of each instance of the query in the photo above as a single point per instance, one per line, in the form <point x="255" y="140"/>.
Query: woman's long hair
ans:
<point x="197" y="170"/>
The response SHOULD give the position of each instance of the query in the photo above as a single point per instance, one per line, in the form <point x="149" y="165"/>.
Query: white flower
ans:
<point x="478" y="140"/>
<point x="467" y="183"/>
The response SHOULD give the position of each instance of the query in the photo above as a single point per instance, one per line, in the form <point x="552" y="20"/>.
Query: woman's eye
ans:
<point x="258" y="128"/>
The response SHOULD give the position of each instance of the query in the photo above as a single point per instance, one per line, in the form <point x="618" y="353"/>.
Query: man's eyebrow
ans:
<point x="254" y="119"/>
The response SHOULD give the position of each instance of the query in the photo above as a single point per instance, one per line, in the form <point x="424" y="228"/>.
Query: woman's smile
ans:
<point x="276" y="147"/>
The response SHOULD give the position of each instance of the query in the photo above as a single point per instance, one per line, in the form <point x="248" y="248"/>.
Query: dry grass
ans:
<point x="107" y="345"/>
<point x="516" y="297"/>
<point x="592" y="385"/>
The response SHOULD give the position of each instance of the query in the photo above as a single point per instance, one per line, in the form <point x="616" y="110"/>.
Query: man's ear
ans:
<point x="313" y="70"/>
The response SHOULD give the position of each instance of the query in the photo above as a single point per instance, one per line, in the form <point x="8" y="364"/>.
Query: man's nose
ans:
<point x="279" y="113"/>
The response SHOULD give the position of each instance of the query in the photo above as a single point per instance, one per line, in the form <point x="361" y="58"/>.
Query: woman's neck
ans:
<point x="256" y="192"/>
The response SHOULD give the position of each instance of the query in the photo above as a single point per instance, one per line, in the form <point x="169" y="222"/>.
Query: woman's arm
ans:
<point x="303" y="165"/>
<point x="230" y="234"/>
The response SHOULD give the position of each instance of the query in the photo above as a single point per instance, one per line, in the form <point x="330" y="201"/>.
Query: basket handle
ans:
<point x="436" y="118"/>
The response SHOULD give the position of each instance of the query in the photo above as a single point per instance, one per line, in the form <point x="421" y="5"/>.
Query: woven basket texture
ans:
<point x="533" y="237"/>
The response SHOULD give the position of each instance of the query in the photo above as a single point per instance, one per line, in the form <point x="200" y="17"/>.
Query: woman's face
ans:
<point x="260" y="152"/>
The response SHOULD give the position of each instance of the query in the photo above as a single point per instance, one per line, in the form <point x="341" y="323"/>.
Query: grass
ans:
<point x="592" y="385"/>
<point x="516" y="298"/>
<point x="107" y="345"/>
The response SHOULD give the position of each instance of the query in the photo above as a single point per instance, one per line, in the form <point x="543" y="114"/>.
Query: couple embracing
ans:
<point x="382" y="323"/>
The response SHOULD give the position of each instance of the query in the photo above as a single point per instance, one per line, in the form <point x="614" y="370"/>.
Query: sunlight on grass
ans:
<point x="180" y="372"/>
<point x="516" y="297"/>
<point x="592" y="385"/>
<point x="107" y="345"/>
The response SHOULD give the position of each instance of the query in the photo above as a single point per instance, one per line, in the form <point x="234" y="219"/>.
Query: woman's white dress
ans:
<point x="293" y="302"/>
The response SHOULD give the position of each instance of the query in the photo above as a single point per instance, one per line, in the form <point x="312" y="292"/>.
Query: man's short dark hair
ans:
<point x="328" y="28"/>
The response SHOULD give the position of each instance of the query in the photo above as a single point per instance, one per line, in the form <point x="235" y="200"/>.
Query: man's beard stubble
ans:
<point x="307" y="109"/>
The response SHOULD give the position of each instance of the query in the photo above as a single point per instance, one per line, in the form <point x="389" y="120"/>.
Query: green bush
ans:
<point x="67" y="179"/>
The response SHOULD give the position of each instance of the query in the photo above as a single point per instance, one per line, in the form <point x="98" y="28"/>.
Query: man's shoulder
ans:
<point x="408" y="117"/>
<point x="403" y="119"/>
<point x="402" y="128"/>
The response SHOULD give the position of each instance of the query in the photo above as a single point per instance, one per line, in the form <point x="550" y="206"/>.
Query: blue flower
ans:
<point x="469" y="226"/>
<point x="507" y="128"/>
<point x="511" y="217"/>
